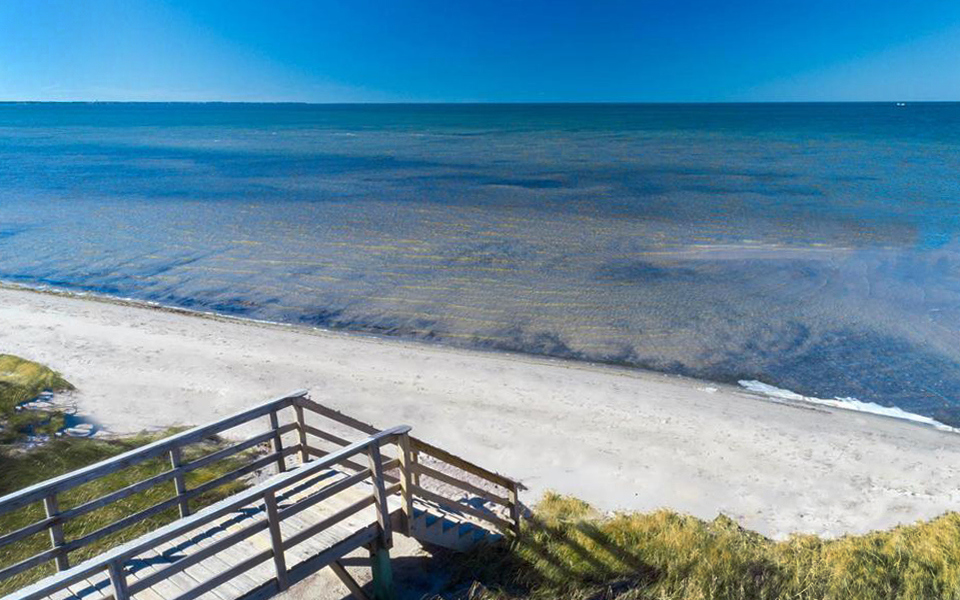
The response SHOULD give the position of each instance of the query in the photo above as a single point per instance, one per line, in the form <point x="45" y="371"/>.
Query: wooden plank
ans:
<point x="25" y="532"/>
<point x="406" y="482"/>
<point x="323" y="494"/>
<point x="236" y="473"/>
<point x="463" y="485"/>
<point x="38" y="491"/>
<point x="335" y="415"/>
<point x="277" y="442"/>
<point x="301" y="433"/>
<point x="347" y="463"/>
<point x="380" y="496"/>
<point x="118" y="495"/>
<point x="195" y="557"/>
<point x="276" y="540"/>
<point x="29" y="563"/>
<point x="326" y="523"/>
<point x="121" y="524"/>
<point x="236" y="448"/>
<point x="323" y="435"/>
<point x="225" y="576"/>
<point x="460" y="463"/>
<point x="502" y="524"/>
<point x="179" y="482"/>
<point x="515" y="509"/>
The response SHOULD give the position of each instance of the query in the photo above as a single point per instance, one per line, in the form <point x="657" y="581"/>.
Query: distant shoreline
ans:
<point x="618" y="438"/>
<point x="775" y="395"/>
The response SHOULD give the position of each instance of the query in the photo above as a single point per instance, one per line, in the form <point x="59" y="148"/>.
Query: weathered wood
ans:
<point x="179" y="482"/>
<point x="236" y="448"/>
<point x="52" y="508"/>
<point x="182" y="526"/>
<point x="502" y="524"/>
<point x="24" y="532"/>
<point x="355" y="590"/>
<point x="237" y="473"/>
<point x="415" y="459"/>
<point x="515" y="508"/>
<point x="196" y="557"/>
<point x="225" y="576"/>
<point x="301" y="432"/>
<point x="459" y="483"/>
<point x="276" y="539"/>
<point x="327" y="523"/>
<point x="460" y="463"/>
<point x="328" y="491"/>
<point x="406" y="482"/>
<point x="29" y="563"/>
<point x="37" y="492"/>
<point x="277" y="442"/>
<point x="380" y="496"/>
<point x="323" y="435"/>
<point x="335" y="415"/>
<point x="118" y="580"/>
<point x="347" y="463"/>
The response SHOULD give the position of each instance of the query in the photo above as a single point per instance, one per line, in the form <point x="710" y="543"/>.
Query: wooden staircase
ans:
<point x="353" y="486"/>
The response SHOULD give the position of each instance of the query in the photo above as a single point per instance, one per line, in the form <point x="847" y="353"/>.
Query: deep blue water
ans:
<point x="810" y="246"/>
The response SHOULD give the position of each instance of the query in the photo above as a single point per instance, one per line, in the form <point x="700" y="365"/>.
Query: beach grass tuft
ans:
<point x="569" y="550"/>
<point x="22" y="380"/>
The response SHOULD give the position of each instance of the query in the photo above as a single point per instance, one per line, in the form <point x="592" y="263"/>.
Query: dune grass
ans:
<point x="568" y="550"/>
<point x="22" y="380"/>
<point x="19" y="468"/>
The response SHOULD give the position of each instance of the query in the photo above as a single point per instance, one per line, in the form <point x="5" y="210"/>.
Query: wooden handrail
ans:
<point x="72" y="479"/>
<point x="115" y="557"/>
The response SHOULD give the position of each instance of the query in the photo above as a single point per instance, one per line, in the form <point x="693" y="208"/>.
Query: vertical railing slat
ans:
<point x="513" y="494"/>
<point x="118" y="580"/>
<point x="302" y="432"/>
<point x="406" y="481"/>
<point x="276" y="539"/>
<point x="52" y="508"/>
<point x="380" y="496"/>
<point x="277" y="441"/>
<point x="180" y="482"/>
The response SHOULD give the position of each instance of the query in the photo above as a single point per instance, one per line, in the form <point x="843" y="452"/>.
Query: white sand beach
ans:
<point x="618" y="438"/>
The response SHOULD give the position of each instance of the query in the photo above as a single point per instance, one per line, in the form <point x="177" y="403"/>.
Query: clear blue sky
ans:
<point x="482" y="50"/>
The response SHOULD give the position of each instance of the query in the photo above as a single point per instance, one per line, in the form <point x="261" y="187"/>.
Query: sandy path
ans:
<point x="617" y="438"/>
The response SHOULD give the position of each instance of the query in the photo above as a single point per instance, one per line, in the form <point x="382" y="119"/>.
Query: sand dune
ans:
<point x="621" y="439"/>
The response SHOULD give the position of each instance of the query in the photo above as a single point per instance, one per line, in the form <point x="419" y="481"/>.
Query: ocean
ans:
<point x="807" y="247"/>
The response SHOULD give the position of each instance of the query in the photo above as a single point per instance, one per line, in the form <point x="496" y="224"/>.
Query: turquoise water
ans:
<point x="813" y="247"/>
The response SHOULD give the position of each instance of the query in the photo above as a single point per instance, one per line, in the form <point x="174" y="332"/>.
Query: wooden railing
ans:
<point x="445" y="468"/>
<point x="172" y="447"/>
<point x="267" y="493"/>
<point x="400" y="471"/>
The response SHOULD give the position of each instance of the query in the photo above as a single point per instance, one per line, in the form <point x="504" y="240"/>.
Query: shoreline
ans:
<point x="759" y="389"/>
<point x="618" y="437"/>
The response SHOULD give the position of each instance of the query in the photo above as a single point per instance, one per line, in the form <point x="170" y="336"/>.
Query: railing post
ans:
<point x="302" y="431"/>
<point x="276" y="539"/>
<point x="179" y="482"/>
<point x="118" y="580"/>
<point x="277" y="441"/>
<point x="415" y="459"/>
<point x="52" y="507"/>
<point x="380" y="496"/>
<point x="513" y="494"/>
<point x="406" y="481"/>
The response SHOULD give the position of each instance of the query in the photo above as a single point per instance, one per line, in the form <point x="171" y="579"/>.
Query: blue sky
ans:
<point x="479" y="51"/>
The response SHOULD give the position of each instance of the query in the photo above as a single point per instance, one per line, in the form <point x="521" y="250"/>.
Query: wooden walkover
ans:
<point x="329" y="496"/>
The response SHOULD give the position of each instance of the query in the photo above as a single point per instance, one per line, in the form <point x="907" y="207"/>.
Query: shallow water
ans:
<point x="811" y="247"/>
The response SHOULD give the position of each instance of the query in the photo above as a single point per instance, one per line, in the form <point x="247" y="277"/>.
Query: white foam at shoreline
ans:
<point x="843" y="403"/>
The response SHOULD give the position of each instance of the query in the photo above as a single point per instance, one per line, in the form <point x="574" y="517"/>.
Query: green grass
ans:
<point x="568" y="550"/>
<point x="22" y="380"/>
<point x="19" y="469"/>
